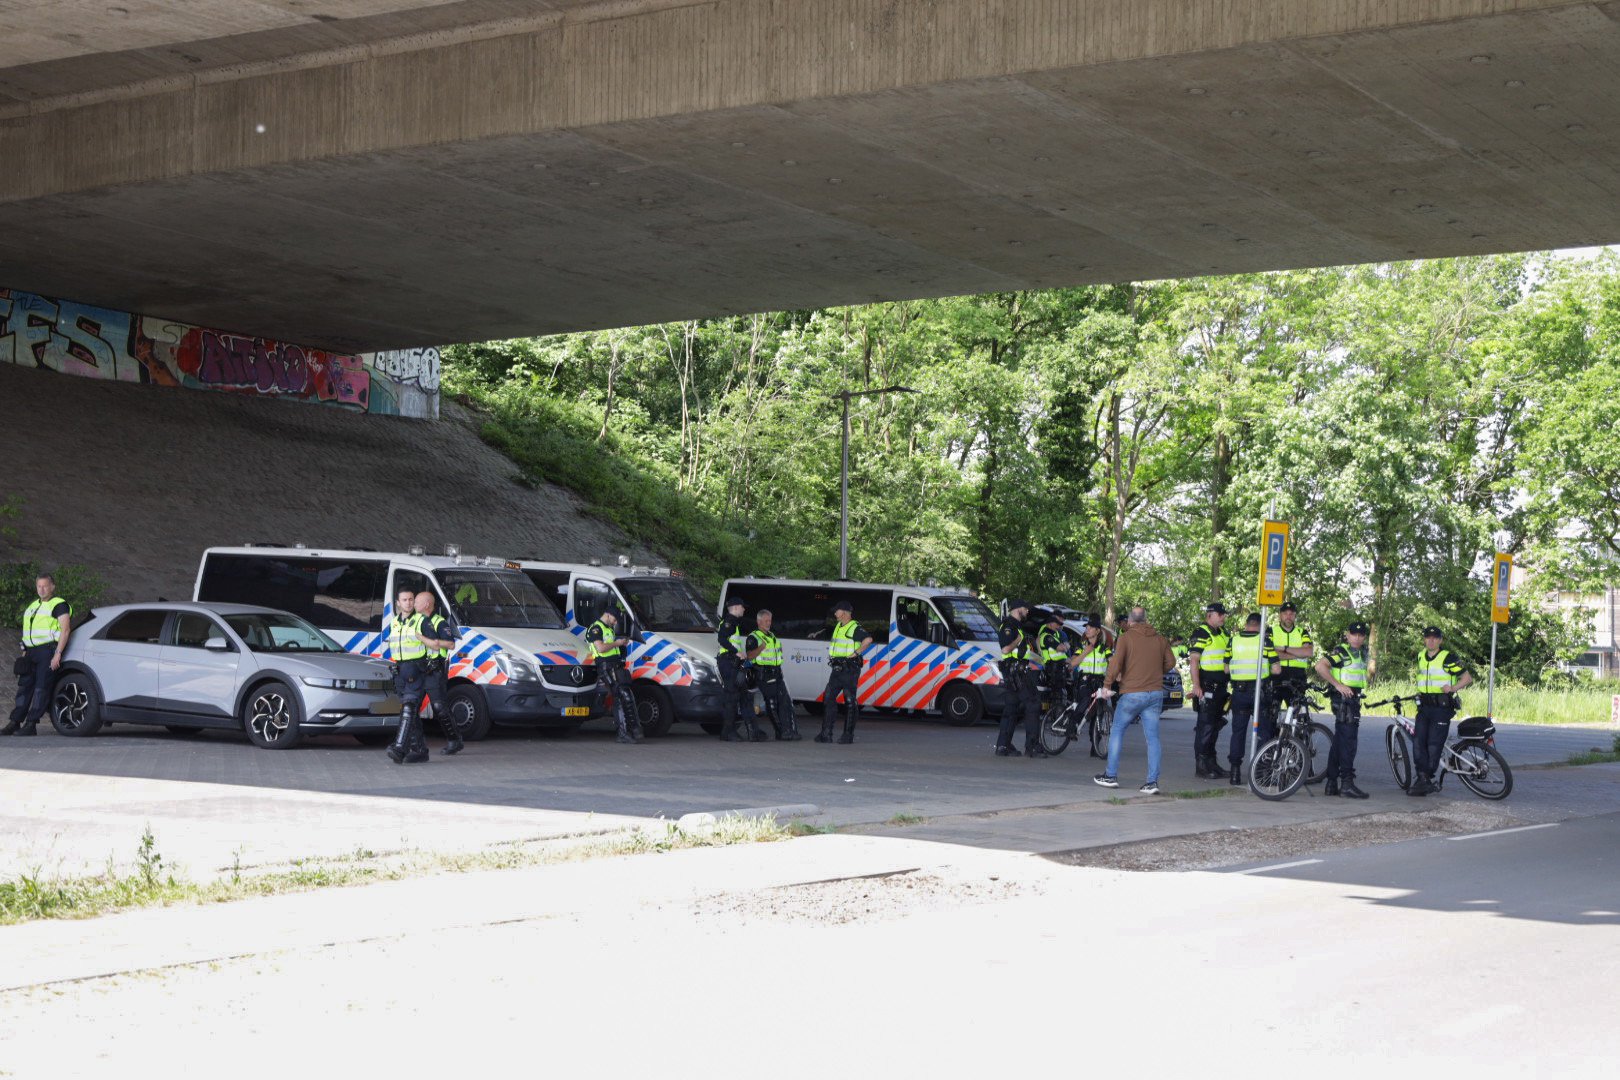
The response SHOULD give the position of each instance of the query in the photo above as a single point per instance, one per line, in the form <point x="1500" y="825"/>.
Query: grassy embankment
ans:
<point x="1521" y="704"/>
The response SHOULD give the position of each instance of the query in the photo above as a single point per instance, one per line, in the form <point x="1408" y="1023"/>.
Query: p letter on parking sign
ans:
<point x="1273" y="562"/>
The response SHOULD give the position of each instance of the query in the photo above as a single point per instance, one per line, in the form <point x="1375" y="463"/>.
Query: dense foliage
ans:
<point x="1112" y="444"/>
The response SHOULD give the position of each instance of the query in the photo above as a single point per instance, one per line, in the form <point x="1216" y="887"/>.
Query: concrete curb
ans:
<point x="780" y="813"/>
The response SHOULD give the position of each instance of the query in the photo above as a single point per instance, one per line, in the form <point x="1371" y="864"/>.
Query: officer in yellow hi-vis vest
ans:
<point x="732" y="641"/>
<point x="1251" y="664"/>
<point x="1207" y="653"/>
<point x="1345" y="671"/>
<point x="1089" y="664"/>
<point x="765" y="653"/>
<point x="439" y="634"/>
<point x="408" y="654"/>
<point x="1296" y="652"/>
<point x="46" y="624"/>
<point x="607" y="653"/>
<point x="1053" y="643"/>
<point x="844" y="662"/>
<point x="1440" y="674"/>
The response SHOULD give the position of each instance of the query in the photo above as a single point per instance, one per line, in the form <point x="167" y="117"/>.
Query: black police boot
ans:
<point x="1008" y="751"/>
<point x="1215" y="770"/>
<point x="1034" y="749"/>
<point x="1348" y="789"/>
<point x="1330" y="786"/>
<point x="850" y="720"/>
<point x="419" y="747"/>
<point x="829" y="717"/>
<point x="755" y="732"/>
<point x="1418" y="786"/>
<point x="636" y="734"/>
<point x="402" y="739"/>
<point x="452" y="736"/>
<point x="622" y="726"/>
<point x="1235" y="778"/>
<point x="9" y="728"/>
<point x="791" y="733"/>
<point x="29" y="727"/>
<point x="728" y="730"/>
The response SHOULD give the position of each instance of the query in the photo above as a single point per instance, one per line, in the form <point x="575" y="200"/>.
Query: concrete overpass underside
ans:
<point x="432" y="172"/>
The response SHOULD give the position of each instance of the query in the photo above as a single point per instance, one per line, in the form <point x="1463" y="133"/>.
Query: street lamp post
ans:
<point x="843" y="472"/>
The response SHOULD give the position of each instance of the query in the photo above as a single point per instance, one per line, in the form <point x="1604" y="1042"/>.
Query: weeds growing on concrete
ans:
<point x="1117" y="800"/>
<point x="1595" y="756"/>
<point x="1201" y="793"/>
<point x="906" y="819"/>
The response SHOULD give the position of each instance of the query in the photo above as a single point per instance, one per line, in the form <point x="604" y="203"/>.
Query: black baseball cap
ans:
<point x="1288" y="607"/>
<point x="1432" y="631"/>
<point x="1357" y="628"/>
<point x="1053" y="616"/>
<point x="736" y="601"/>
<point x="844" y="605"/>
<point x="1013" y="605"/>
<point x="1217" y="608"/>
<point x="1094" y="619"/>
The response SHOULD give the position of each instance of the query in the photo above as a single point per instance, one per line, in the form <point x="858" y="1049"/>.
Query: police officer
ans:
<point x="1089" y="664"/>
<point x="1207" y="653"/>
<point x="733" y="644"/>
<point x="1250" y="667"/>
<point x="1020" y="698"/>
<point x="1439" y="676"/>
<point x="1295" y="652"/>
<point x="409" y="653"/>
<point x="607" y="652"/>
<point x="1345" y="671"/>
<point x="46" y="624"/>
<point x="844" y="663"/>
<point x="765" y="653"/>
<point x="439" y="634"/>
<point x="1053" y="645"/>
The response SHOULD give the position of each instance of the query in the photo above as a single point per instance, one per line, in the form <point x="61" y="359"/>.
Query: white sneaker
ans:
<point x="1104" y="780"/>
<point x="1149" y="788"/>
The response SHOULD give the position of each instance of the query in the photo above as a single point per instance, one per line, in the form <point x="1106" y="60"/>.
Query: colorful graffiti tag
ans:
<point x="77" y="339"/>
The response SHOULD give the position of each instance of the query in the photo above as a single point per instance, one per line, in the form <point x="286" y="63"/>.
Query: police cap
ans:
<point x="1217" y="608"/>
<point x="1357" y="628"/>
<point x="1014" y="605"/>
<point x="1054" y="617"/>
<point x="1432" y="631"/>
<point x="844" y="605"/>
<point x="1289" y="607"/>
<point x="736" y="601"/>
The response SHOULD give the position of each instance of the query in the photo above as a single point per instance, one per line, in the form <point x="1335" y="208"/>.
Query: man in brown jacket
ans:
<point x="1141" y="659"/>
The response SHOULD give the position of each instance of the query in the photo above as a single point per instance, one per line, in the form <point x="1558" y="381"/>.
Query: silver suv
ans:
<point x="233" y="667"/>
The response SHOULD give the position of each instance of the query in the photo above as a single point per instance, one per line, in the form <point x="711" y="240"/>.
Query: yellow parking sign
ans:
<point x="1501" y="586"/>
<point x="1273" y="561"/>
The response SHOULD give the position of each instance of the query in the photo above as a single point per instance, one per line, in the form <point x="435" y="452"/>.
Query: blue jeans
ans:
<point x="1146" y="707"/>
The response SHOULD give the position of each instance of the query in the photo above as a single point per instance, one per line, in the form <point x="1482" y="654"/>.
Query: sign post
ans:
<point x="1501" y="587"/>
<point x="1273" y="574"/>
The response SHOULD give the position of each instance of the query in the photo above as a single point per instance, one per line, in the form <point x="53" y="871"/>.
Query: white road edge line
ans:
<point x="1504" y="832"/>
<point x="1280" y="866"/>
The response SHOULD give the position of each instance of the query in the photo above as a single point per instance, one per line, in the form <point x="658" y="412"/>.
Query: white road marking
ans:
<point x="1280" y="866"/>
<point x="1504" y="832"/>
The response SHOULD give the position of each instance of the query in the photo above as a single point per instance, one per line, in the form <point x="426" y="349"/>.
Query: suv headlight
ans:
<point x="348" y="684"/>
<point x="700" y="671"/>
<point x="516" y="669"/>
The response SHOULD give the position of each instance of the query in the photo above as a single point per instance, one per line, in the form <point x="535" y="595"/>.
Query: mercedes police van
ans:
<point x="673" y="666"/>
<point x="515" y="663"/>
<point x="932" y="648"/>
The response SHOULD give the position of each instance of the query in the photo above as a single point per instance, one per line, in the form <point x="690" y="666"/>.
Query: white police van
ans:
<point x="514" y="664"/>
<point x="932" y="649"/>
<point x="672" y="657"/>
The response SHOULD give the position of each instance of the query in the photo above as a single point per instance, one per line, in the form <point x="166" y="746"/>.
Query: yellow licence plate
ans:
<point x="576" y="710"/>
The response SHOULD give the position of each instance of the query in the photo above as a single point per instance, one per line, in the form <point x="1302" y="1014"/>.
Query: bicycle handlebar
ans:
<point x="1398" y="699"/>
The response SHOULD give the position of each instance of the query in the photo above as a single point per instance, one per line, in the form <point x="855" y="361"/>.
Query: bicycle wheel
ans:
<point x="1316" y="753"/>
<point x="1101" y="726"/>
<point x="1057" y="729"/>
<point x="1482" y="770"/>
<point x="1400" y="755"/>
<point x="1278" y="769"/>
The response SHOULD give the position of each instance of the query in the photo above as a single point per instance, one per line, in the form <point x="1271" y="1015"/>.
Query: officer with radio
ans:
<point x="1345" y="671"/>
<point x="1090" y="664"/>
<point x="1295" y="654"/>
<point x="1207" y="653"/>
<point x="439" y="634"/>
<point x="1020" y="697"/>
<point x="46" y="624"/>
<point x="409" y="655"/>
<point x="765" y="653"/>
<point x="1440" y="674"/>
<point x="844" y="663"/>
<point x="1251" y="665"/>
<point x="733" y="645"/>
<point x="1053" y="645"/>
<point x="607" y="653"/>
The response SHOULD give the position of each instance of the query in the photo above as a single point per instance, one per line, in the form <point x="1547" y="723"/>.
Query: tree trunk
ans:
<point x="1221" y="480"/>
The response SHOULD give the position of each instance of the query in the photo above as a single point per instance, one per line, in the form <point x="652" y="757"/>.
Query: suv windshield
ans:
<point x="280" y="632"/>
<point x="496" y="598"/>
<point x="969" y="619"/>
<point x="671" y="605"/>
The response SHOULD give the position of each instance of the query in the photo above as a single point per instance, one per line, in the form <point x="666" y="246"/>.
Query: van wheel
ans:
<point x="76" y="705"/>
<point x="961" y="705"/>
<point x="271" y="715"/>
<point x="467" y="708"/>
<point x="653" y="708"/>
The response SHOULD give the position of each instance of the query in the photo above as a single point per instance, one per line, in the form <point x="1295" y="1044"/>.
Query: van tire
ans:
<point x="653" y="708"/>
<point x="961" y="704"/>
<point x="465" y="706"/>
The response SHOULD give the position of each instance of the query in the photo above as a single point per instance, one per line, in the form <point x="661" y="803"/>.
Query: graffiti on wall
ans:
<point x="77" y="339"/>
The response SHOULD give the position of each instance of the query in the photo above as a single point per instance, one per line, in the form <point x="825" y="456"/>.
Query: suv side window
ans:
<point x="193" y="629"/>
<point x="142" y="627"/>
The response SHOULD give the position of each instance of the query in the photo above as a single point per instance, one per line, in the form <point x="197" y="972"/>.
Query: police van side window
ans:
<point x="917" y="618"/>
<point x="553" y="585"/>
<point x="806" y="611"/>
<point x="591" y="598"/>
<point x="337" y="594"/>
<point x="415" y="582"/>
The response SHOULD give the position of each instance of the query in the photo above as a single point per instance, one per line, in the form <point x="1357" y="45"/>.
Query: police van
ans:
<point x="672" y="652"/>
<point x="515" y="663"/>
<point x="932" y="649"/>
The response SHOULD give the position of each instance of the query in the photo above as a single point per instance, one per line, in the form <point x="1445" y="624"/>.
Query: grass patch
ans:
<point x="1519" y="704"/>
<point x="799" y="828"/>
<point x="1117" y="800"/>
<point x="1597" y="755"/>
<point x="906" y="819"/>
<point x="35" y="895"/>
<point x="1201" y="793"/>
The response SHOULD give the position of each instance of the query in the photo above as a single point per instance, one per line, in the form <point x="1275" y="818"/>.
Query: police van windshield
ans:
<point x="968" y="618"/>
<point x="670" y="605"/>
<point x="496" y="598"/>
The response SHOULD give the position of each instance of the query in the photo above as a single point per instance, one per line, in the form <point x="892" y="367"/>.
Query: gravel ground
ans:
<point x="868" y="899"/>
<point x="1208" y="850"/>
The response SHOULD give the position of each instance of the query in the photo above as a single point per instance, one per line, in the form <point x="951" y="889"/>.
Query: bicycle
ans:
<point x="1472" y="755"/>
<point x="1059" y="729"/>
<point x="1296" y="756"/>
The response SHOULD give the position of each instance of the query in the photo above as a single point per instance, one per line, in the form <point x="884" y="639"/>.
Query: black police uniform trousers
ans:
<point x="1431" y="728"/>
<point x="1020" y="700"/>
<point x="843" y="679"/>
<point x="1085" y="692"/>
<point x="1288" y="687"/>
<point x="410" y="681"/>
<point x="1211" y="714"/>
<point x="436" y="679"/>
<point x="1057" y="684"/>
<point x="1341" y="762"/>
<point x="611" y="678"/>
<point x="1243" y="699"/>
<point x="731" y="697"/>
<point x="778" y="702"/>
<point x="34" y="687"/>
